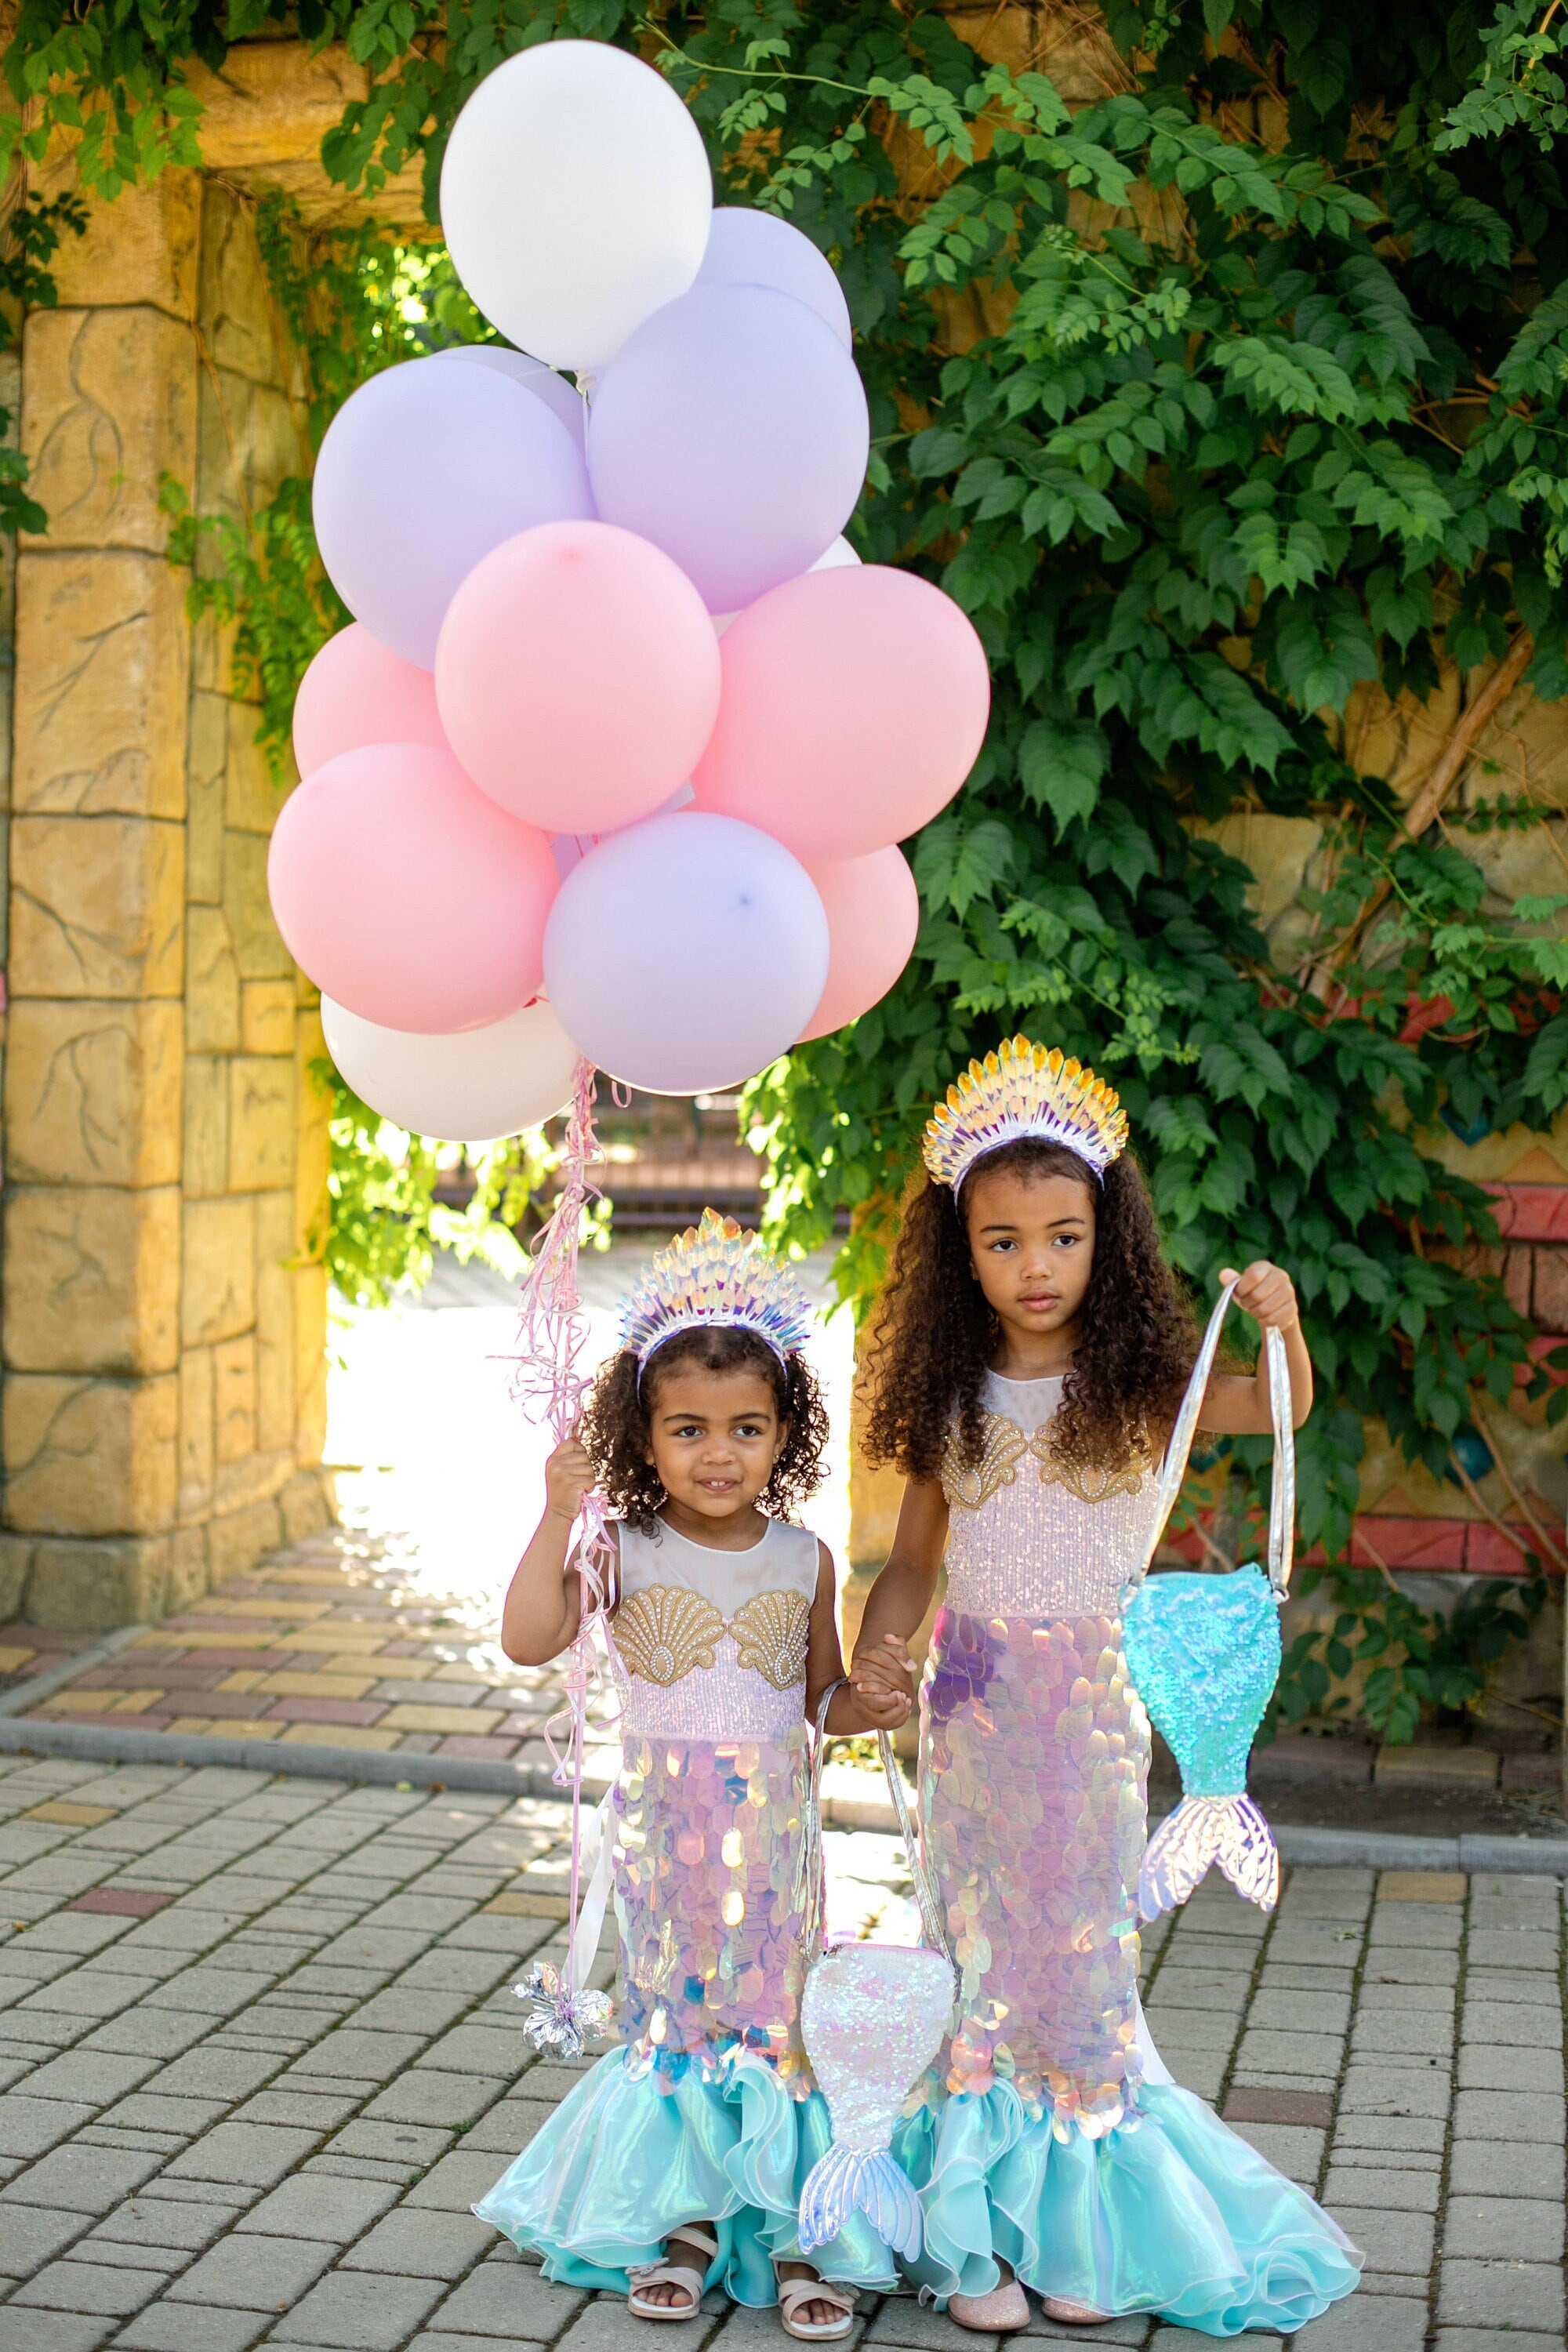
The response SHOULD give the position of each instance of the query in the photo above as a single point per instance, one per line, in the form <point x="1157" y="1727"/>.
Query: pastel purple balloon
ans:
<point x="731" y="430"/>
<point x="423" y="469"/>
<point x="686" y="952"/>
<point x="558" y="393"/>
<point x="752" y="248"/>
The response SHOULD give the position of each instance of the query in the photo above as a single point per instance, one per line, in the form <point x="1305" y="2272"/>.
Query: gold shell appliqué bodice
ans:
<point x="1029" y="1538"/>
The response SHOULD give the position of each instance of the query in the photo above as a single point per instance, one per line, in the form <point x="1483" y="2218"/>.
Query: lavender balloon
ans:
<point x="731" y="430"/>
<point x="425" y="470"/>
<point x="754" y="249"/>
<point x="686" y="952"/>
<point x="558" y="392"/>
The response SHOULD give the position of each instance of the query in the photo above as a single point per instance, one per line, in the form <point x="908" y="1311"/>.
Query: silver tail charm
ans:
<point x="850" y="2180"/>
<point x="1203" y="1831"/>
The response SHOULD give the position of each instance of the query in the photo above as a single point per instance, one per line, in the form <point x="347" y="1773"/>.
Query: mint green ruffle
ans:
<point x="622" y="2161"/>
<point x="1173" y="2213"/>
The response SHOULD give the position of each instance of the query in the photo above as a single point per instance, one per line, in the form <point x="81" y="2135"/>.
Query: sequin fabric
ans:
<point x="1034" y="1774"/>
<point x="1020" y="1542"/>
<point x="707" y="1852"/>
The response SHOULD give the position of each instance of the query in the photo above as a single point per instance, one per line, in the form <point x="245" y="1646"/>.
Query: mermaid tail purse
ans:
<point x="1204" y="1651"/>
<point x="872" y="2017"/>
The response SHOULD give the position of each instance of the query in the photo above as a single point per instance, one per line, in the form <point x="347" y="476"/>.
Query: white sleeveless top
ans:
<point x="1028" y="1540"/>
<point x="712" y="1645"/>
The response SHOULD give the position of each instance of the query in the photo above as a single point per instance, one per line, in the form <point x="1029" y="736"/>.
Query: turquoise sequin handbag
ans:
<point x="1204" y="1651"/>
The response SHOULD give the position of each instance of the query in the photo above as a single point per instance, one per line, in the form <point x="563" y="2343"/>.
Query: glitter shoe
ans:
<point x="1000" y="2313"/>
<point x="1076" y="2315"/>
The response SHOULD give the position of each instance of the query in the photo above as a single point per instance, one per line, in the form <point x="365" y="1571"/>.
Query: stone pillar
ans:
<point x="160" y="1407"/>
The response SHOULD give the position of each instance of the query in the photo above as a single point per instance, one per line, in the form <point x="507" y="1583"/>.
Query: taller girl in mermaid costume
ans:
<point x="1031" y="1356"/>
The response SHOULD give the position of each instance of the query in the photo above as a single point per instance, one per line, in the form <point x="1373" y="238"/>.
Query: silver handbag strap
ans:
<point x="933" y="1932"/>
<point x="1282" y="1486"/>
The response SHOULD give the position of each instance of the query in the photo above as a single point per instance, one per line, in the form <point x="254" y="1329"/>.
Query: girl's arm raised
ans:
<point x="902" y="1593"/>
<point x="1236" y="1407"/>
<point x="864" y="1705"/>
<point x="544" y="1600"/>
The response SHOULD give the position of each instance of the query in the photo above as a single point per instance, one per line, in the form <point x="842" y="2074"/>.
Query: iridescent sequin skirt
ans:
<point x="707" y="1857"/>
<point x="1034" y="1779"/>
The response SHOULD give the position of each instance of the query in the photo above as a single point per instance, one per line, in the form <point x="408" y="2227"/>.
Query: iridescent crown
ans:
<point x="1024" y="1090"/>
<point x="715" y="1273"/>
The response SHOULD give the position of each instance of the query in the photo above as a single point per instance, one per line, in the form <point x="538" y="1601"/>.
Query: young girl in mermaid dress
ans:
<point x="677" y="2163"/>
<point x="1032" y="1352"/>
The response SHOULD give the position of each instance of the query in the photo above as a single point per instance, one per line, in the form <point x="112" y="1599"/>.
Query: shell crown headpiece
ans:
<point x="1021" y="1090"/>
<point x="715" y="1273"/>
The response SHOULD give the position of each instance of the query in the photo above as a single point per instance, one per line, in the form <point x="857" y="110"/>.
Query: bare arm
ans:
<point x="543" y="1604"/>
<point x="903" y="1593"/>
<point x="861" y="1705"/>
<point x="1236" y="1407"/>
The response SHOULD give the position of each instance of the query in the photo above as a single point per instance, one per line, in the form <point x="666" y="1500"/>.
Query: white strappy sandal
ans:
<point x="795" y="2294"/>
<point x="664" y="2273"/>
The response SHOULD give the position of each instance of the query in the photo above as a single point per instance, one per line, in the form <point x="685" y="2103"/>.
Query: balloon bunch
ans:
<point x="614" y="757"/>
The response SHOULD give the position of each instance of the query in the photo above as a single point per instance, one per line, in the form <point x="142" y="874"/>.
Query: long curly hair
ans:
<point x="616" y="1431"/>
<point x="934" y="1334"/>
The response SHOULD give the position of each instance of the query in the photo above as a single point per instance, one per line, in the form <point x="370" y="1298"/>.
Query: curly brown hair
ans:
<point x="934" y="1334"/>
<point x="615" y="1428"/>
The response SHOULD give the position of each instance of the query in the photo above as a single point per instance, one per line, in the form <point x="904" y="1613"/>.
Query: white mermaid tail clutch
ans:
<point x="1204" y="1651"/>
<point x="872" y="2017"/>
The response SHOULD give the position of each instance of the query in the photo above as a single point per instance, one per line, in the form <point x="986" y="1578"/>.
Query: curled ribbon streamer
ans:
<point x="550" y="1384"/>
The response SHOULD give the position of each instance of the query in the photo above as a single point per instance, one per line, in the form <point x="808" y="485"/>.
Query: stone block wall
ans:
<point x="164" y="1309"/>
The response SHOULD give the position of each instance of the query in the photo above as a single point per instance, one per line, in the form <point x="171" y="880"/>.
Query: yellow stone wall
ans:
<point x="163" y="1348"/>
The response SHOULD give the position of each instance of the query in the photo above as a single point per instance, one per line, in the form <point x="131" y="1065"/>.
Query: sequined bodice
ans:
<point x="1026" y="1538"/>
<point x="712" y="1644"/>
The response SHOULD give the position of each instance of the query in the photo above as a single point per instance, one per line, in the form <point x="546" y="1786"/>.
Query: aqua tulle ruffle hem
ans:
<point x="1171" y="2213"/>
<point x="629" y="2156"/>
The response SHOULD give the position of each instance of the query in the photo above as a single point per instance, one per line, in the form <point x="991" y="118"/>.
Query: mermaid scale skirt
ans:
<point x="1049" y="2139"/>
<point x="708" y="2113"/>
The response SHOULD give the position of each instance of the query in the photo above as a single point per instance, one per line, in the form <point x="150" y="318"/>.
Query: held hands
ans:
<point x="568" y="1475"/>
<point x="1266" y="1293"/>
<point x="881" y="1686"/>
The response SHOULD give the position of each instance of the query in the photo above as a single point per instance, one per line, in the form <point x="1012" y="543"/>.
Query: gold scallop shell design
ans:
<point x="1005" y="1447"/>
<point x="771" y="1635"/>
<point x="665" y="1632"/>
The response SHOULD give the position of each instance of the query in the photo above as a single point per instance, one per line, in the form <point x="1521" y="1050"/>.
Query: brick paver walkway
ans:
<point x="342" y="1640"/>
<point x="261" y="2054"/>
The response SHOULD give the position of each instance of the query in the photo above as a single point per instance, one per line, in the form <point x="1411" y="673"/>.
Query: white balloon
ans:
<point x="575" y="199"/>
<point x="686" y="952"/>
<point x="467" y="1088"/>
<point x="837" y="556"/>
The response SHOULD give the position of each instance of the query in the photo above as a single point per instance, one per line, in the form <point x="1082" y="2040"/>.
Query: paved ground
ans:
<point x="339" y="1641"/>
<point x="261" y="2055"/>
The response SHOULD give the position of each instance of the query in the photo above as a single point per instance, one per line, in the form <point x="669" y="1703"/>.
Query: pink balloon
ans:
<point x="873" y="913"/>
<point x="358" y="691"/>
<point x="407" y="895"/>
<point x="577" y="677"/>
<point x="855" y="705"/>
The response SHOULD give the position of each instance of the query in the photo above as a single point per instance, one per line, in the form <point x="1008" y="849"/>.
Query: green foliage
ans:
<point x="1521" y="85"/>
<point x="1406" y="1661"/>
<point x="28" y="242"/>
<point x="263" y="576"/>
<point x="1211" y="433"/>
<point x="386" y="1223"/>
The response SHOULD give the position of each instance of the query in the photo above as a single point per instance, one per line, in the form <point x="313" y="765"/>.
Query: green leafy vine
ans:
<point x="1229" y="394"/>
